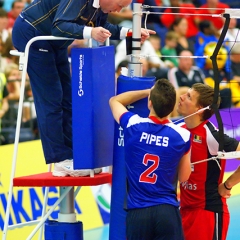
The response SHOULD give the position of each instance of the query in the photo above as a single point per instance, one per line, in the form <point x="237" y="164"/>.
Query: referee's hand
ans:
<point x="145" y="33"/>
<point x="100" y="34"/>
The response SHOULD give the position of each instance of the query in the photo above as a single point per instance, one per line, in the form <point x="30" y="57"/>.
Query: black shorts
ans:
<point x="162" y="222"/>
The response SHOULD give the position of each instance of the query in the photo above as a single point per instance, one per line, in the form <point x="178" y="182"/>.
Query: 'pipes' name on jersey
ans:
<point x="153" y="139"/>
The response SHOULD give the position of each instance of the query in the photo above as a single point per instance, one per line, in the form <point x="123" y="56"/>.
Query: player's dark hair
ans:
<point x="205" y="98"/>
<point x="163" y="97"/>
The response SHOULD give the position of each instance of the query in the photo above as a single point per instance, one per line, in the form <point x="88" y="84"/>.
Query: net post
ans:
<point x="135" y="67"/>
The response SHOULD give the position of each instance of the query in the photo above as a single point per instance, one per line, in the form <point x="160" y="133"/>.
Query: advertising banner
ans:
<point x="92" y="204"/>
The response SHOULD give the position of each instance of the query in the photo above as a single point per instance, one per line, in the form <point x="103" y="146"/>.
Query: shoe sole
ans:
<point x="76" y="173"/>
<point x="59" y="174"/>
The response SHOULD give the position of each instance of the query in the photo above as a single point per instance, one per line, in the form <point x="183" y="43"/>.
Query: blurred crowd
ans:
<point x="10" y="80"/>
<point x="187" y="30"/>
<point x="187" y="34"/>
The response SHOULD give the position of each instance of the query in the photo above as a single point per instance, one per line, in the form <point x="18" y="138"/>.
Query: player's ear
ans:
<point x="200" y="110"/>
<point x="149" y="102"/>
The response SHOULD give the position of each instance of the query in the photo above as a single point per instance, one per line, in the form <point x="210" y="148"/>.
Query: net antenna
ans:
<point x="217" y="80"/>
<point x="229" y="13"/>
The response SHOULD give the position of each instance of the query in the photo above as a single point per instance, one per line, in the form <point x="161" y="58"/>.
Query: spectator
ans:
<point x="185" y="11"/>
<point x="13" y="76"/>
<point x="29" y="118"/>
<point x="16" y="9"/>
<point x="184" y="76"/>
<point x="171" y="41"/>
<point x="180" y="26"/>
<point x="198" y="3"/>
<point x="155" y="40"/>
<point x="207" y="33"/>
<point x="8" y="4"/>
<point x="210" y="8"/>
<point x="7" y="47"/>
<point x="3" y="102"/>
<point x="3" y="60"/>
<point x="4" y="32"/>
<point x="235" y="61"/>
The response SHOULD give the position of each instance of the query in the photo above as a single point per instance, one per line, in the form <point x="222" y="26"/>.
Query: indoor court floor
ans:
<point x="97" y="234"/>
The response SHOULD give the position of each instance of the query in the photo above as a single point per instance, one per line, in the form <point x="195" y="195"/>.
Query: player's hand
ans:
<point x="223" y="191"/>
<point x="100" y="34"/>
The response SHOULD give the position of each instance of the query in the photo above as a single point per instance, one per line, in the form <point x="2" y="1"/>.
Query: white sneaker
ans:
<point x="65" y="168"/>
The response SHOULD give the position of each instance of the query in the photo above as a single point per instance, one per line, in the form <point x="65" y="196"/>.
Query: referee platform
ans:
<point x="93" y="131"/>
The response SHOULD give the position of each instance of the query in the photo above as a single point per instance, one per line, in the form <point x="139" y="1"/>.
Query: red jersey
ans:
<point x="201" y="189"/>
<point x="217" y="21"/>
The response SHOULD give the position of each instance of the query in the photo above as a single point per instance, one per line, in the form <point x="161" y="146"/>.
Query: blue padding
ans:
<point x="93" y="83"/>
<point x="63" y="231"/>
<point x="117" y="212"/>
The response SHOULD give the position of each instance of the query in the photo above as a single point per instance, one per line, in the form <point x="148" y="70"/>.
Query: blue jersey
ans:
<point x="67" y="18"/>
<point x="153" y="150"/>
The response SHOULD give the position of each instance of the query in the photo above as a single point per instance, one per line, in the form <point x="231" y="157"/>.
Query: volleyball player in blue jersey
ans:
<point x="157" y="155"/>
<point x="48" y="66"/>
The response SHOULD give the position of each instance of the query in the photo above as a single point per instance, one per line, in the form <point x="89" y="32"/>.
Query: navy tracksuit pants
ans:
<point x="49" y="72"/>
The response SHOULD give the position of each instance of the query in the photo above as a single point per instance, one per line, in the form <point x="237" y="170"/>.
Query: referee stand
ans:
<point x="92" y="140"/>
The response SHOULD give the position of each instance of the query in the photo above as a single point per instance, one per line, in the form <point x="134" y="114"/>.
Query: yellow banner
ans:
<point x="27" y="202"/>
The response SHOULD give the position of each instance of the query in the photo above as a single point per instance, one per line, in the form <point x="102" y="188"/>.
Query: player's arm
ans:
<point x="238" y="147"/>
<point x="224" y="189"/>
<point x="184" y="168"/>
<point x="237" y="150"/>
<point x="118" y="103"/>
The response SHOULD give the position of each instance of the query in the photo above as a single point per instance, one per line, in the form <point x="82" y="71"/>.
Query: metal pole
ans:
<point x="66" y="207"/>
<point x="135" y="67"/>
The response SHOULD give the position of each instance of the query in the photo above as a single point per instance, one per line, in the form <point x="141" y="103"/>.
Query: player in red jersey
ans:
<point x="204" y="212"/>
<point x="156" y="157"/>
